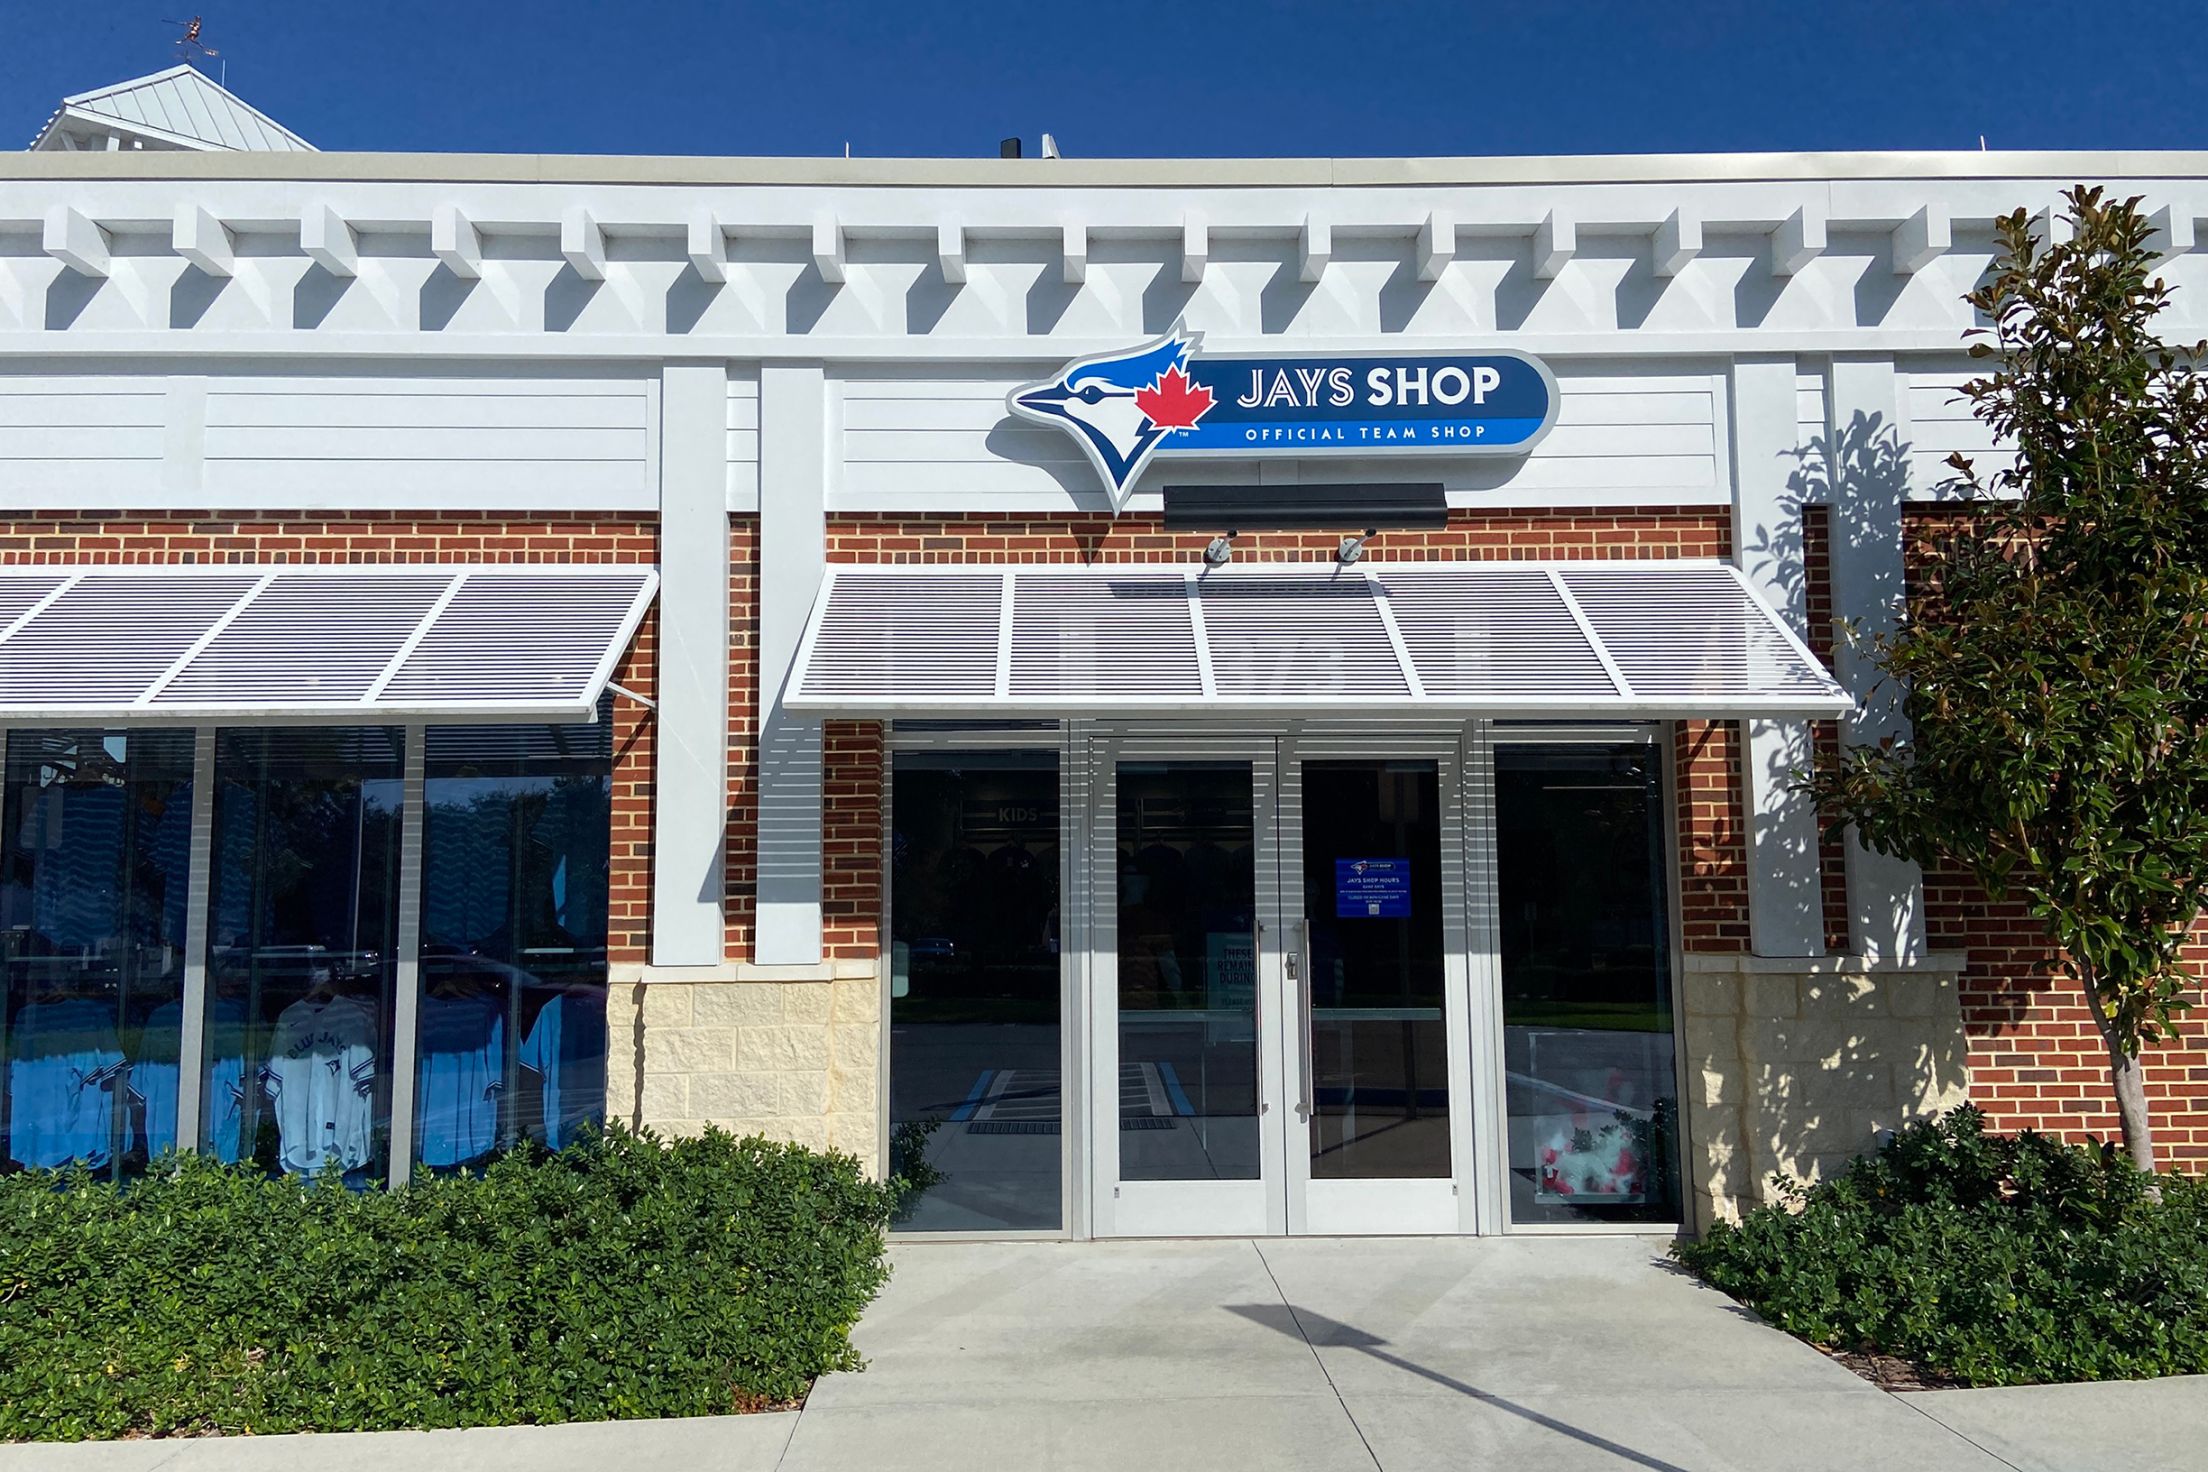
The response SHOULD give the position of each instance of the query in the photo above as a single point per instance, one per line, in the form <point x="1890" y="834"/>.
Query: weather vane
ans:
<point x="188" y="46"/>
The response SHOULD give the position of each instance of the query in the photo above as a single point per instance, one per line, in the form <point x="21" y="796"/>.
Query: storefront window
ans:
<point x="1586" y="974"/>
<point x="303" y="931"/>
<point x="976" y="1109"/>
<point x="95" y="844"/>
<point x="516" y="843"/>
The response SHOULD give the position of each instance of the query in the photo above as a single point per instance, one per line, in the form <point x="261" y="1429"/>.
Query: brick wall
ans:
<point x="318" y="537"/>
<point x="1819" y="632"/>
<point x="635" y="747"/>
<point x="1713" y="843"/>
<point x="2036" y="1060"/>
<point x="742" y="858"/>
<point x="1644" y="531"/>
<point x="325" y="536"/>
<point x="851" y="841"/>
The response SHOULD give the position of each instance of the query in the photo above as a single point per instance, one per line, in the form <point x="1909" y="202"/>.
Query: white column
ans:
<point x="1785" y="907"/>
<point x="406" y="1019"/>
<point x="1870" y="482"/>
<point x="793" y="530"/>
<point x="689" y="815"/>
<point x="191" y="1043"/>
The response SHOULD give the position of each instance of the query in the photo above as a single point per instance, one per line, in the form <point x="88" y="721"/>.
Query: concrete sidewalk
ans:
<point x="1344" y="1356"/>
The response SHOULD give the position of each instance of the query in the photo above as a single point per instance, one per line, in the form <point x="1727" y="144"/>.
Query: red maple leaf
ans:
<point x="1173" y="402"/>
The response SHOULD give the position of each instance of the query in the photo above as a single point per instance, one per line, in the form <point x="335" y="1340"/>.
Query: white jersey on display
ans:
<point x="321" y="1076"/>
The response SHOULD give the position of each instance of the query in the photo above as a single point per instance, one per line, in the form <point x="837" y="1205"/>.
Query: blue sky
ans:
<point x="1132" y="78"/>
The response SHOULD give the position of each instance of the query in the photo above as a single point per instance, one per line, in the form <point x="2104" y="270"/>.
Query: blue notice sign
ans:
<point x="1372" y="889"/>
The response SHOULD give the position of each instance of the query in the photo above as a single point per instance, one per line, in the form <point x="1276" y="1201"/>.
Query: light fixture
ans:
<point x="1220" y="549"/>
<point x="1353" y="548"/>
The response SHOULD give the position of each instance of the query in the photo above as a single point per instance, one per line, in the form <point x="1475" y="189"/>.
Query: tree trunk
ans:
<point x="2128" y="1076"/>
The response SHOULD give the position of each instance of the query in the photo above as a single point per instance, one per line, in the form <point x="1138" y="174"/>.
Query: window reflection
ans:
<point x="976" y="1113"/>
<point x="1586" y="973"/>
<point x="303" y="933"/>
<point x="1187" y="972"/>
<point x="95" y="840"/>
<point x="516" y="849"/>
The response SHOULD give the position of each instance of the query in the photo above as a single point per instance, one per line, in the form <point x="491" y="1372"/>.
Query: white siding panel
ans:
<point x="417" y="442"/>
<point x="947" y="444"/>
<point x="95" y="439"/>
<point x="743" y="444"/>
<point x="1941" y="424"/>
<point x="32" y="410"/>
<point x="247" y="409"/>
<point x="490" y="485"/>
<point x="560" y="443"/>
<point x="1582" y="406"/>
<point x="93" y="444"/>
<point x="960" y="447"/>
<point x="1809" y="407"/>
<point x="915" y="487"/>
<point x="46" y="484"/>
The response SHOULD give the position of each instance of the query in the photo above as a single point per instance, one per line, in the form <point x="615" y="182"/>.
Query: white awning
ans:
<point x="313" y="644"/>
<point x="1652" y="639"/>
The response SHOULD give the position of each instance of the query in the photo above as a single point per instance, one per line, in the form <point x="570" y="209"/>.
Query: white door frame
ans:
<point x="1246" y="1208"/>
<point x="1284" y="1198"/>
<point x="1382" y="1207"/>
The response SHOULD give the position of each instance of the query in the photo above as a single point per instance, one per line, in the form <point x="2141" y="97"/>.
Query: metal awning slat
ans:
<point x="1646" y="639"/>
<point x="314" y="644"/>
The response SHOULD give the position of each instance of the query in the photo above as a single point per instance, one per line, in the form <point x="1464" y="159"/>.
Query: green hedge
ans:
<point x="624" y="1276"/>
<point x="1986" y="1259"/>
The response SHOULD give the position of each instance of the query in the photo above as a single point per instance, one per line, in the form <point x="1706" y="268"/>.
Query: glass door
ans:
<point x="1187" y="1078"/>
<point x="1280" y="1026"/>
<point x="1376" y="1023"/>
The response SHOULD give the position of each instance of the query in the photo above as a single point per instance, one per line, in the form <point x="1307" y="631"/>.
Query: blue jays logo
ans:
<point x="1120" y="406"/>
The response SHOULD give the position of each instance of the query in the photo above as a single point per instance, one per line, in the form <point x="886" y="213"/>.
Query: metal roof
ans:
<point x="314" y="644"/>
<point x="181" y="108"/>
<point x="1673" y="639"/>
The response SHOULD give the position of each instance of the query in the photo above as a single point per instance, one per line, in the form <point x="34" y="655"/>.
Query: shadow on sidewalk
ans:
<point x="1316" y="1330"/>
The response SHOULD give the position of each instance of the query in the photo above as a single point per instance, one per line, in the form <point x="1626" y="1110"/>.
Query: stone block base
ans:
<point x="793" y="1054"/>
<point x="1796" y="1065"/>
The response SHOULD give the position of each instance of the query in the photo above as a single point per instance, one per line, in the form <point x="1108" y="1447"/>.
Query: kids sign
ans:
<point x="1167" y="398"/>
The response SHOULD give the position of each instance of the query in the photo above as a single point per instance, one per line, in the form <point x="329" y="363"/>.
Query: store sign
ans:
<point x="1167" y="398"/>
<point x="1372" y="889"/>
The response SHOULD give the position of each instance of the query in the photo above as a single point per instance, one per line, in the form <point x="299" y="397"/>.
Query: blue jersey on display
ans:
<point x="154" y="1080"/>
<point x="459" y="1077"/>
<point x="225" y="1097"/>
<point x="566" y="1047"/>
<point x="63" y="1065"/>
<point x="153" y="1075"/>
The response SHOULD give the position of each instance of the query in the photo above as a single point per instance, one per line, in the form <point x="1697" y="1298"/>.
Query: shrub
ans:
<point x="1990" y="1260"/>
<point x="622" y="1277"/>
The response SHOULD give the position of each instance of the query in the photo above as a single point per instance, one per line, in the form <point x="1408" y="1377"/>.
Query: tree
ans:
<point x="2055" y="668"/>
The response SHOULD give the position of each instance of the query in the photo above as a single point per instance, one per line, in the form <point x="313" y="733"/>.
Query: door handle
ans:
<point x="1307" y="1103"/>
<point x="1257" y="1000"/>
